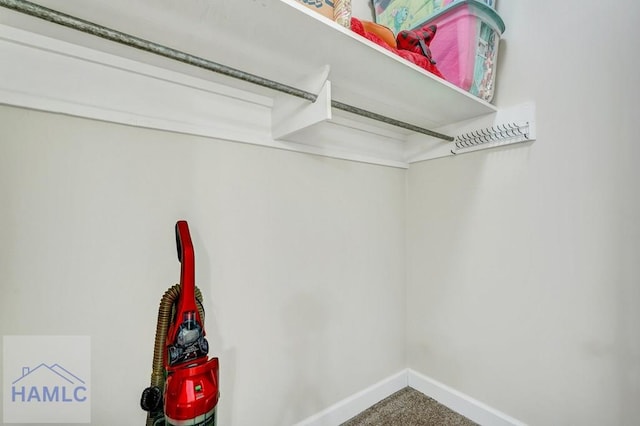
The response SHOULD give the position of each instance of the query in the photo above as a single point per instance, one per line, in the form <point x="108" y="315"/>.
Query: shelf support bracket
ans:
<point x="290" y="115"/>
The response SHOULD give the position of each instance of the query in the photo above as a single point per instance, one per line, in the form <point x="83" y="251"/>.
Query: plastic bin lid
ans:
<point x="474" y="4"/>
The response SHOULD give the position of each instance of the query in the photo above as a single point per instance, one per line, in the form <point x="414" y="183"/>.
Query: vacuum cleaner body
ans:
<point x="184" y="384"/>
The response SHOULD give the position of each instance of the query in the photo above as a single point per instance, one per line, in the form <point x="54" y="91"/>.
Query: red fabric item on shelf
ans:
<point x="417" y="41"/>
<point x="417" y="58"/>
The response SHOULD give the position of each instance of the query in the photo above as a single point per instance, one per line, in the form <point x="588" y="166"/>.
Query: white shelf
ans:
<point x="280" y="40"/>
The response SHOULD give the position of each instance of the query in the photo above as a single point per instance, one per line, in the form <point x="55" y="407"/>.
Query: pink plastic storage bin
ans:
<point x="466" y="45"/>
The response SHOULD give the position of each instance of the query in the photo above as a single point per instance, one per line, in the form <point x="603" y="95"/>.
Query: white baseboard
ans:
<point x="457" y="401"/>
<point x="357" y="403"/>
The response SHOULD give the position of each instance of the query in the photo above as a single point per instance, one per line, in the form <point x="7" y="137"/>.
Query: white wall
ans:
<point x="300" y="259"/>
<point x="523" y="263"/>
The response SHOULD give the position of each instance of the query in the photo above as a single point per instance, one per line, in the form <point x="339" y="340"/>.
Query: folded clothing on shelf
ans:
<point x="404" y="47"/>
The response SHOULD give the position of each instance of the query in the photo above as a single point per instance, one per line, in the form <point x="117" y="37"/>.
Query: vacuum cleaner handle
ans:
<point x="187" y="260"/>
<point x="185" y="338"/>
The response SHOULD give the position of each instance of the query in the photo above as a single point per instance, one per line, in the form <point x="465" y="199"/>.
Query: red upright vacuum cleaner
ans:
<point x="184" y="382"/>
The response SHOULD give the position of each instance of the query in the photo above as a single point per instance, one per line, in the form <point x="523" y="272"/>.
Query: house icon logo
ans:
<point x="48" y="383"/>
<point x="46" y="379"/>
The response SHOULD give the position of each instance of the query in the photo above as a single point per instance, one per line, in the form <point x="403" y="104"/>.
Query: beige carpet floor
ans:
<point x="408" y="407"/>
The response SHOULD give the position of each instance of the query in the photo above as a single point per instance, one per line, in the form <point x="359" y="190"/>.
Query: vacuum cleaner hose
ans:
<point x="149" y="400"/>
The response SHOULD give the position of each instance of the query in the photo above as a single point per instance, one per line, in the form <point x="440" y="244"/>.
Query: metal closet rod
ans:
<point x="88" y="27"/>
